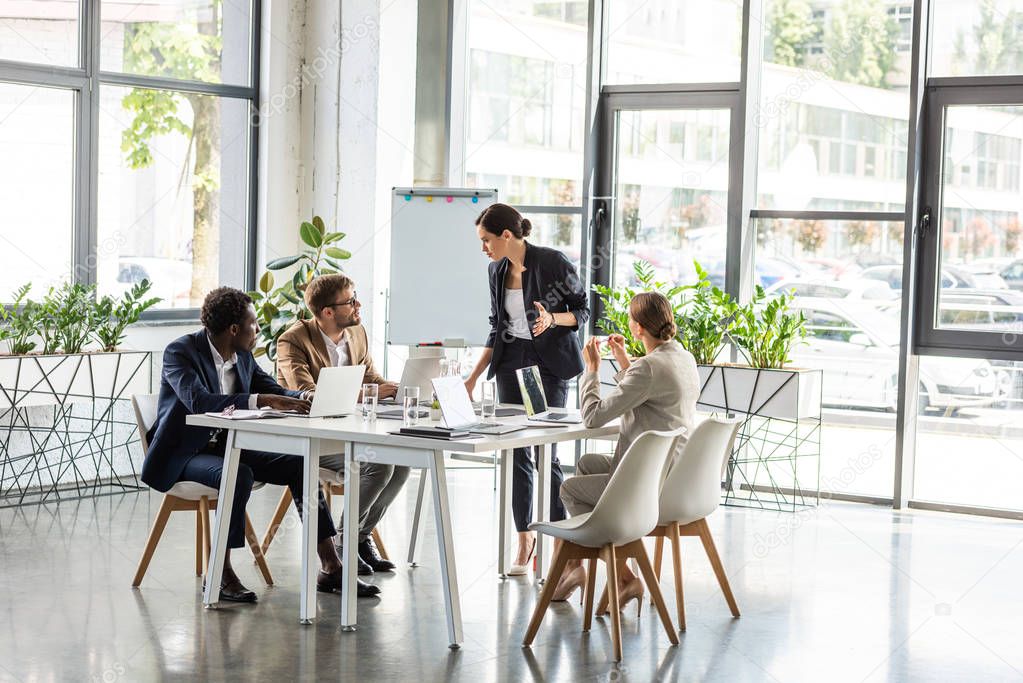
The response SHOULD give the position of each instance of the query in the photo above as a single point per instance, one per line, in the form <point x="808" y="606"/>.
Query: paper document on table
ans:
<point x="260" y="414"/>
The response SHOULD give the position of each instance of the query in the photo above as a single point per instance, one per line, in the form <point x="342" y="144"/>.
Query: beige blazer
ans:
<point x="658" y="391"/>
<point x="301" y="354"/>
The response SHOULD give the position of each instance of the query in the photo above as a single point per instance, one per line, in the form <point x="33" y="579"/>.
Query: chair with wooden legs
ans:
<point x="691" y="491"/>
<point x="333" y="484"/>
<point x="186" y="496"/>
<point x="613" y="532"/>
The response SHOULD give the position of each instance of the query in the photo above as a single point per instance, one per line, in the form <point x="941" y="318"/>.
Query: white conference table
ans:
<point x="369" y="441"/>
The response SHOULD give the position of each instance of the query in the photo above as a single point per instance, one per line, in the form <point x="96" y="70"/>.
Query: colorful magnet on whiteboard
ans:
<point x="408" y="198"/>
<point x="429" y="199"/>
<point x="475" y="200"/>
<point x="450" y="199"/>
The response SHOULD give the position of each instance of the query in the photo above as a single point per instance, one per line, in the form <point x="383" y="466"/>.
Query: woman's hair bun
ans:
<point x="668" y="331"/>
<point x="527" y="227"/>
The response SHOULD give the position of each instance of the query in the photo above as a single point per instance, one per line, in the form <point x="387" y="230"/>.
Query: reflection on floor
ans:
<point x="846" y="592"/>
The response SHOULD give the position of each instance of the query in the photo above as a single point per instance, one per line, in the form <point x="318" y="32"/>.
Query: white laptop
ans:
<point x="535" y="400"/>
<point x="458" y="412"/>
<point x="337" y="391"/>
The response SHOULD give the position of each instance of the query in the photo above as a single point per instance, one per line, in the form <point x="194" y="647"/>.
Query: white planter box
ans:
<point x="787" y="394"/>
<point x="67" y="427"/>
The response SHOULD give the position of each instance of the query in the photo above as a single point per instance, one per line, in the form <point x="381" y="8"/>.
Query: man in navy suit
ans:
<point x="208" y="371"/>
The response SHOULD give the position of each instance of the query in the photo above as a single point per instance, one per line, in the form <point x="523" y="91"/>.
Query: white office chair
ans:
<point x="690" y="493"/>
<point x="187" y="496"/>
<point x="613" y="532"/>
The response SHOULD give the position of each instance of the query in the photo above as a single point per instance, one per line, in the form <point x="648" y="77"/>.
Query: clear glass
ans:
<point x="410" y="406"/>
<point x="976" y="38"/>
<point x="672" y="187"/>
<point x="981" y="233"/>
<point x="37" y="145"/>
<point x="488" y="400"/>
<point x="173" y="193"/>
<point x="370" y="393"/>
<point x="833" y="106"/>
<point x="526" y="100"/>
<point x="39" y="32"/>
<point x="683" y="41"/>
<point x="192" y="40"/>
<point x="969" y="444"/>
<point x="846" y="277"/>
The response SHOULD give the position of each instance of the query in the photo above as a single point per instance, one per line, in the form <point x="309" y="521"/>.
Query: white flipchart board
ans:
<point x="438" y="288"/>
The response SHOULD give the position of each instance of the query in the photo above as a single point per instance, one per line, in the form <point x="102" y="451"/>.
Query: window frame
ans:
<point x="86" y="80"/>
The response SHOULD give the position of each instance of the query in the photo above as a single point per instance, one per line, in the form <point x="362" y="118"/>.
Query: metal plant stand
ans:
<point x="775" y="462"/>
<point x="67" y="429"/>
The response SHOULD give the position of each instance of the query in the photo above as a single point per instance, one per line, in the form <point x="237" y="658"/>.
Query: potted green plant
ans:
<point x="278" y="307"/>
<point x="113" y="316"/>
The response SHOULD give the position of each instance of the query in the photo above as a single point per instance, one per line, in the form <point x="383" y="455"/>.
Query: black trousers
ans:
<point x="520" y="353"/>
<point x="271" y="468"/>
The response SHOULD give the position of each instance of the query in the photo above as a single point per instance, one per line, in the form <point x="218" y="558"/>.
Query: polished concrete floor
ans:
<point x="842" y="593"/>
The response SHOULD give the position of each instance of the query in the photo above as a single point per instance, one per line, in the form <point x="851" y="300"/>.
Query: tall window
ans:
<point x="525" y="104"/>
<point x="131" y="140"/>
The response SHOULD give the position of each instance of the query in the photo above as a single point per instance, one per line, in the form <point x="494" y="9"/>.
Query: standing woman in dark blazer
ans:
<point x="537" y="304"/>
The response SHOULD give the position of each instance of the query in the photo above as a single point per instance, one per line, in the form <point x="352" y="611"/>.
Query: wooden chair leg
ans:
<point x="250" y="536"/>
<point x="676" y="558"/>
<point x="715" y="562"/>
<point x="204" y="514"/>
<point x="381" y="548"/>
<point x="198" y="543"/>
<point x="557" y="569"/>
<point x="591" y="585"/>
<point x="612" y="590"/>
<point x="639" y="552"/>
<point x="275" y="522"/>
<point x="159" y="523"/>
<point x="658" y="554"/>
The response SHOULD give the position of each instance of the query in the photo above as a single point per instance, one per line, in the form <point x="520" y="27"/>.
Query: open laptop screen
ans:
<point x="531" y="387"/>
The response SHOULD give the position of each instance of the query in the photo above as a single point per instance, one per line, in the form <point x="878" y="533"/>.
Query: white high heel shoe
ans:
<point x="523" y="569"/>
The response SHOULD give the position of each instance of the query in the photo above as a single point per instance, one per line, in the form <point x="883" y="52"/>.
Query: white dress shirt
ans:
<point x="228" y="375"/>
<point x="338" y="352"/>
<point x="515" y="306"/>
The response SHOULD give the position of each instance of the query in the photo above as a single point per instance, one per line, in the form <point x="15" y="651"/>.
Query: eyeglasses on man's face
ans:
<point x="351" y="302"/>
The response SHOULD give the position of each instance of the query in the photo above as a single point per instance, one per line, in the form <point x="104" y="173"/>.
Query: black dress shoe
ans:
<point x="370" y="555"/>
<point x="331" y="583"/>
<point x="364" y="568"/>
<point x="233" y="592"/>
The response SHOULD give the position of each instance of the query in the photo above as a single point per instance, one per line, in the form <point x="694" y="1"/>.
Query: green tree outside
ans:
<point x="160" y="49"/>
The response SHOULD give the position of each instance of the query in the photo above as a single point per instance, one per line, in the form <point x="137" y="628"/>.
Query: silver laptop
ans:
<point x="337" y="391"/>
<point x="417" y="373"/>
<point x="458" y="412"/>
<point x="535" y="400"/>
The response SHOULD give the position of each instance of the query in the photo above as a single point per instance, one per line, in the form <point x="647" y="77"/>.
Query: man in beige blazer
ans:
<point x="336" y="337"/>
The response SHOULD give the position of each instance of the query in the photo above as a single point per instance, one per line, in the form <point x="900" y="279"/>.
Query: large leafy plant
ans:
<point x="19" y="322"/>
<point x="113" y="316"/>
<point x="766" y="333"/>
<point x="278" y="307"/>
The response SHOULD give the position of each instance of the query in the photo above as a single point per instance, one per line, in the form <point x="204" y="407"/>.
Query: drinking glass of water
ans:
<point x="488" y="403"/>
<point x="410" y="410"/>
<point x="370" y="393"/>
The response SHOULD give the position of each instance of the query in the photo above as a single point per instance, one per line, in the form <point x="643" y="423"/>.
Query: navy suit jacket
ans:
<point x="188" y="385"/>
<point x="551" y="279"/>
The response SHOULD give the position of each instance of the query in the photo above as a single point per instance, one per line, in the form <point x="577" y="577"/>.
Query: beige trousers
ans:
<point x="581" y="492"/>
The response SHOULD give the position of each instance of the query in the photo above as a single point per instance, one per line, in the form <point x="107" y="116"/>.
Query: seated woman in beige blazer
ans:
<point x="657" y="391"/>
